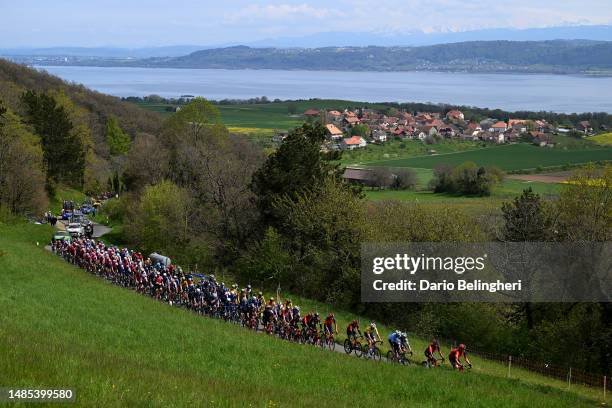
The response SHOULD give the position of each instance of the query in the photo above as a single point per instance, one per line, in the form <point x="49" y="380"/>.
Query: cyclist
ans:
<point x="430" y="350"/>
<point x="398" y="342"/>
<point x="455" y="357"/>
<point x="352" y="329"/>
<point x="371" y="334"/>
<point x="329" y="325"/>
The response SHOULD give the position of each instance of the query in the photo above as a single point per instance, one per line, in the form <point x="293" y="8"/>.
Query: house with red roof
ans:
<point x="333" y="132"/>
<point x="455" y="115"/>
<point x="499" y="126"/>
<point x="312" y="113"/>
<point x="354" y="142"/>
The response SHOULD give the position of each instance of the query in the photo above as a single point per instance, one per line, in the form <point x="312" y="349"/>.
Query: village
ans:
<point x="355" y="129"/>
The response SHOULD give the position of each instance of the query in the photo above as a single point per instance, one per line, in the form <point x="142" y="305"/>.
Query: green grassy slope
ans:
<point x="63" y="327"/>
<point x="506" y="157"/>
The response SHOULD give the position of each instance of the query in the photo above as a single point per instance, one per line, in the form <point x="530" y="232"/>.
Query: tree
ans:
<point x="362" y="130"/>
<point x="292" y="108"/>
<point x="118" y="142"/>
<point x="64" y="150"/>
<point x="382" y="177"/>
<point x="22" y="176"/>
<point x="526" y="219"/>
<point x="297" y="166"/>
<point x="405" y="179"/>
<point x="160" y="221"/>
<point x="323" y="228"/>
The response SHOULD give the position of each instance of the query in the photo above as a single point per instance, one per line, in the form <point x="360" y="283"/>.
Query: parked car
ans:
<point x="66" y="215"/>
<point x="75" y="229"/>
<point x="61" y="236"/>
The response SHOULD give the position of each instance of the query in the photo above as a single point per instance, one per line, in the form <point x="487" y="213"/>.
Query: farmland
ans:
<point x="604" y="139"/>
<point x="506" y="157"/>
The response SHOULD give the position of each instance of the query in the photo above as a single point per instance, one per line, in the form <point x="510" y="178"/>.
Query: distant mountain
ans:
<point x="104" y="52"/>
<point x="559" y="56"/>
<point x="333" y="39"/>
<point x="417" y="38"/>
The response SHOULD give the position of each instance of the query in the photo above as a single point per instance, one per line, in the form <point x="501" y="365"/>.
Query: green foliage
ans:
<point x="362" y="130"/>
<point x="526" y="218"/>
<point x="465" y="179"/>
<point x="297" y="166"/>
<point x="324" y="227"/>
<point x="64" y="150"/>
<point x="22" y="172"/>
<point x="268" y="261"/>
<point x="118" y="141"/>
<point x="292" y="108"/>
<point x="405" y="179"/>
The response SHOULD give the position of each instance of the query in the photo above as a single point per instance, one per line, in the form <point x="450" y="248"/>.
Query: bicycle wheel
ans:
<point x="347" y="346"/>
<point x="357" y="348"/>
<point x="331" y="343"/>
<point x="376" y="356"/>
<point x="390" y="357"/>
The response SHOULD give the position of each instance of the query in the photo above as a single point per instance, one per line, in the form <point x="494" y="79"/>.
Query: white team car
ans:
<point x="75" y="229"/>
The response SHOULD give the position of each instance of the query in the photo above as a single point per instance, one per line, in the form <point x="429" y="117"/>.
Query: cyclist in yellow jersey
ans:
<point x="371" y="334"/>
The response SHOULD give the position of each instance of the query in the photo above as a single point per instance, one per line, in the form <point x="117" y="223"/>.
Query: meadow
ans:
<point x="506" y="157"/>
<point x="604" y="139"/>
<point x="63" y="327"/>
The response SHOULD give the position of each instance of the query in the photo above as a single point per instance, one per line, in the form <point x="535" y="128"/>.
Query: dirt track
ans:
<point x="557" y="177"/>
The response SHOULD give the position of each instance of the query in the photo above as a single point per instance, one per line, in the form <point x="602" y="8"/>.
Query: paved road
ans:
<point x="99" y="229"/>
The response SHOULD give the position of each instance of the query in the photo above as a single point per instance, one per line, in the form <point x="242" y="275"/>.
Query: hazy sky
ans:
<point x="165" y="22"/>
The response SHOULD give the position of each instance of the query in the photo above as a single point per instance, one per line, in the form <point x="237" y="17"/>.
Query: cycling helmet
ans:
<point x="373" y="325"/>
<point x="271" y="299"/>
<point x="331" y="314"/>
<point x="297" y="308"/>
<point x="248" y="286"/>
<point x="399" y="333"/>
<point x="316" y="314"/>
<point x="462" y="346"/>
<point x="259" y="294"/>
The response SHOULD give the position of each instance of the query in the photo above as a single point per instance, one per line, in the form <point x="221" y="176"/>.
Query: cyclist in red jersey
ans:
<point x="329" y="325"/>
<point x="352" y="329"/>
<point x="433" y="347"/>
<point x="455" y="357"/>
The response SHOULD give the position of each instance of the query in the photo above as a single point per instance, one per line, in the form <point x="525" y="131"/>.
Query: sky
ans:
<point x="142" y="23"/>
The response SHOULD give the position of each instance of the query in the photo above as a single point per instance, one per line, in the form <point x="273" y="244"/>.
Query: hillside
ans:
<point x="558" y="56"/>
<point x="115" y="348"/>
<point x="15" y="79"/>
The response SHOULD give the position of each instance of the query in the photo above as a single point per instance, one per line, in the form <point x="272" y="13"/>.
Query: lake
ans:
<point x="558" y="93"/>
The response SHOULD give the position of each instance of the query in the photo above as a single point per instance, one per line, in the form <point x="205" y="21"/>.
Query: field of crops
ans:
<point x="506" y="157"/>
<point x="61" y="326"/>
<point x="604" y="139"/>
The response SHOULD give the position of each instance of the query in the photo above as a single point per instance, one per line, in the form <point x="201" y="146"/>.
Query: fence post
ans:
<point x="509" y="365"/>
<point x="605" y="378"/>
<point x="569" y="379"/>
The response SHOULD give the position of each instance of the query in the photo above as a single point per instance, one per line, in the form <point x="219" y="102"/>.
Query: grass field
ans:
<point x="62" y="327"/>
<point x="396" y="149"/>
<point x="65" y="193"/>
<point x="506" y="157"/>
<point x="604" y="139"/>
<point x="269" y="116"/>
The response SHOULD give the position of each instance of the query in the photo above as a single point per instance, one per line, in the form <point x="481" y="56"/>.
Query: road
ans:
<point x="99" y="229"/>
